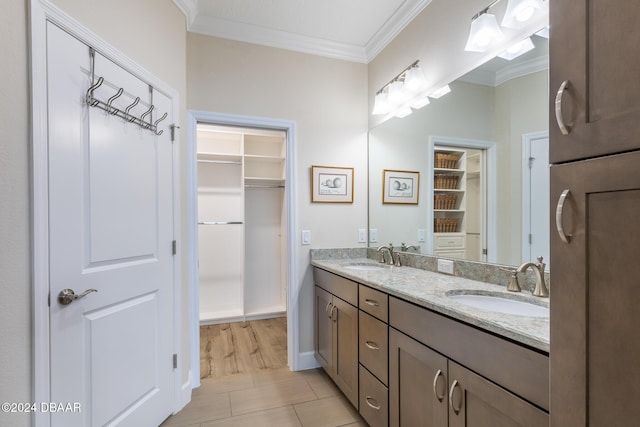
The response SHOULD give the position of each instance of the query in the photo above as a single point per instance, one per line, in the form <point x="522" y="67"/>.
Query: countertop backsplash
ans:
<point x="489" y="273"/>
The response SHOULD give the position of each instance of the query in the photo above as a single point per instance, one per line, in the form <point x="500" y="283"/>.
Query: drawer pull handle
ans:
<point x="372" y="345"/>
<point x="559" y="208"/>
<point x="371" y="302"/>
<point x="564" y="129"/>
<point x="326" y="310"/>
<point x="453" y="408"/>
<point x="335" y="320"/>
<point x="374" y="405"/>
<point x="435" y="386"/>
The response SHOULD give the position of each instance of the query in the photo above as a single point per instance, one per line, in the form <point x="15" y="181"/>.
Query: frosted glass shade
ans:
<point x="520" y="11"/>
<point x="484" y="32"/>
<point x="380" y="105"/>
<point x="517" y="49"/>
<point x="414" y="79"/>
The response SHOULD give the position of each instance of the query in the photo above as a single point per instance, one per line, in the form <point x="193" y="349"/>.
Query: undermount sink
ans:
<point x="500" y="304"/>
<point x="365" y="267"/>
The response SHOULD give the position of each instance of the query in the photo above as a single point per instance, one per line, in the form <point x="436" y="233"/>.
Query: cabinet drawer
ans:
<point x="449" y="242"/>
<point x="374" y="302"/>
<point x="512" y="366"/>
<point x="344" y="289"/>
<point x="374" y="400"/>
<point x="373" y="345"/>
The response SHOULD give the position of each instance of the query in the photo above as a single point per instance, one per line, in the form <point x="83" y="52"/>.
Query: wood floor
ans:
<point x="246" y="383"/>
<point x="243" y="347"/>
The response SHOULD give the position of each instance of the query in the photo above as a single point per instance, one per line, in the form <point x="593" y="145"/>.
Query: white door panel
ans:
<point x="111" y="228"/>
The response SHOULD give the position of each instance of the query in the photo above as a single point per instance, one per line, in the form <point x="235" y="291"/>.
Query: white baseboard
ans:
<point x="307" y="361"/>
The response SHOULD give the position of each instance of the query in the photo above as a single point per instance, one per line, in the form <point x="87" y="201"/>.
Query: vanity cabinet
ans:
<point x="416" y="367"/>
<point x="443" y="372"/>
<point x="336" y="330"/>
<point x="373" y="356"/>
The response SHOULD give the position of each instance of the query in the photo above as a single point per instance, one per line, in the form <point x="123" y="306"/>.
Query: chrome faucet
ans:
<point x="538" y="269"/>
<point x="389" y="249"/>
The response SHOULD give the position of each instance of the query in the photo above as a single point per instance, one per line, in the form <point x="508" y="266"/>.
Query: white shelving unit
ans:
<point x="241" y="216"/>
<point x="449" y="205"/>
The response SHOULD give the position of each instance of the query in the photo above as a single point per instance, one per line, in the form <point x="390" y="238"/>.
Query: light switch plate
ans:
<point x="421" y="234"/>
<point x="362" y="235"/>
<point x="373" y="235"/>
<point x="445" y="266"/>
<point x="306" y="237"/>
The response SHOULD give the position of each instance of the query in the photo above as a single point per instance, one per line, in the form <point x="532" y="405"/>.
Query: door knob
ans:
<point x="67" y="296"/>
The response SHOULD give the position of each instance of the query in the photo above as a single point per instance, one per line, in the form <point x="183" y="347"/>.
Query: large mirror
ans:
<point x="481" y="155"/>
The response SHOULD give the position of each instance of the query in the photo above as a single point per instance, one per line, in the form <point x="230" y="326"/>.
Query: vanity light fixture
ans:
<point x="520" y="11"/>
<point x="401" y="93"/>
<point x="517" y="49"/>
<point x="484" y="31"/>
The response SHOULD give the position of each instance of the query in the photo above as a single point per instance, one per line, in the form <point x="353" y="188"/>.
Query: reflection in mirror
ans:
<point x="494" y="124"/>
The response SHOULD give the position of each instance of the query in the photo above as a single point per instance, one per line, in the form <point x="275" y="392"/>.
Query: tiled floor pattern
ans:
<point x="269" y="398"/>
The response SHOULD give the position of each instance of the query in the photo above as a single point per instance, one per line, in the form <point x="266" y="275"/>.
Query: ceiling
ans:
<point x="352" y="30"/>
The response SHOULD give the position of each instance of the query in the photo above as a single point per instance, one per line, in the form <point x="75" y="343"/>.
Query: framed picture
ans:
<point x="331" y="184"/>
<point x="400" y="186"/>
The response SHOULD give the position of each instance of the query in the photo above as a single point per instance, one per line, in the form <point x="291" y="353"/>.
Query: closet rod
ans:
<point x="263" y="186"/>
<point x="222" y="162"/>
<point x="219" y="222"/>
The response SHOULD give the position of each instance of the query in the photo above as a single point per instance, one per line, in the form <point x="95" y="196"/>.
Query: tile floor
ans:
<point x="269" y="398"/>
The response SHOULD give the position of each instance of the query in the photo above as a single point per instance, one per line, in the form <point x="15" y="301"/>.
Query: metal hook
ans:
<point x="130" y="117"/>
<point x="155" y="124"/>
<point x="113" y="98"/>
<point x="90" y="100"/>
<point x="145" y="114"/>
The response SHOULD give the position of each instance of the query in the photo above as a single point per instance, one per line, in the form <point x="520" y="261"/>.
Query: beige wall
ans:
<point x="153" y="34"/>
<point x="327" y="99"/>
<point x="15" y="277"/>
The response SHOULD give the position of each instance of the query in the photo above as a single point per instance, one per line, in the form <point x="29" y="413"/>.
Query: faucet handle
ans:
<point x="541" y="264"/>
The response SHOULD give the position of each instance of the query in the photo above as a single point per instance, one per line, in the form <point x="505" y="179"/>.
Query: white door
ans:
<point x="538" y="206"/>
<point x="111" y="229"/>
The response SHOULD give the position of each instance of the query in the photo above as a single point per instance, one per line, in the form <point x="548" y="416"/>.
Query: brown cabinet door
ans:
<point x="323" y="338"/>
<point x="417" y="383"/>
<point x="595" y="309"/>
<point x="345" y="348"/>
<point x="594" y="47"/>
<point x="477" y="402"/>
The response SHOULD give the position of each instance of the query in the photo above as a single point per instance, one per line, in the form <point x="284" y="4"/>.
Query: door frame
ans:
<point x="527" y="140"/>
<point x="193" y="118"/>
<point x="490" y="185"/>
<point x="41" y="12"/>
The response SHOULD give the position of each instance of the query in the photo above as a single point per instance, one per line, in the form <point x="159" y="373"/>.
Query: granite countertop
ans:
<point x="429" y="289"/>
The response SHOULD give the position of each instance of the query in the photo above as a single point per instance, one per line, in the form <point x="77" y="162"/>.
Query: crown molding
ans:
<point x="311" y="45"/>
<point x="503" y="75"/>
<point x="396" y="23"/>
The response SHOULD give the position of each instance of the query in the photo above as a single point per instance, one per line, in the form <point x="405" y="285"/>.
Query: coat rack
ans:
<point x="126" y="114"/>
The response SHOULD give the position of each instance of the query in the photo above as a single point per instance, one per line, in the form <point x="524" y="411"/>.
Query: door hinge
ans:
<point x="484" y="252"/>
<point x="175" y="361"/>
<point x="530" y="238"/>
<point x="174" y="249"/>
<point x="531" y="159"/>
<point x="173" y="131"/>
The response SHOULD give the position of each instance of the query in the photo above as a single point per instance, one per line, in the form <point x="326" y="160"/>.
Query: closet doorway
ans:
<point x="241" y="224"/>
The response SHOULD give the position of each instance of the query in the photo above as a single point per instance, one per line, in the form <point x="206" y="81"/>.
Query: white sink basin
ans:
<point x="498" y="304"/>
<point x="365" y="267"/>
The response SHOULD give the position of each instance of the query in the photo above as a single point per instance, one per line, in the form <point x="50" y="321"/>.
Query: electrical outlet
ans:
<point x="445" y="266"/>
<point x="362" y="235"/>
<point x="306" y="237"/>
<point x="421" y="234"/>
<point x="373" y="235"/>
